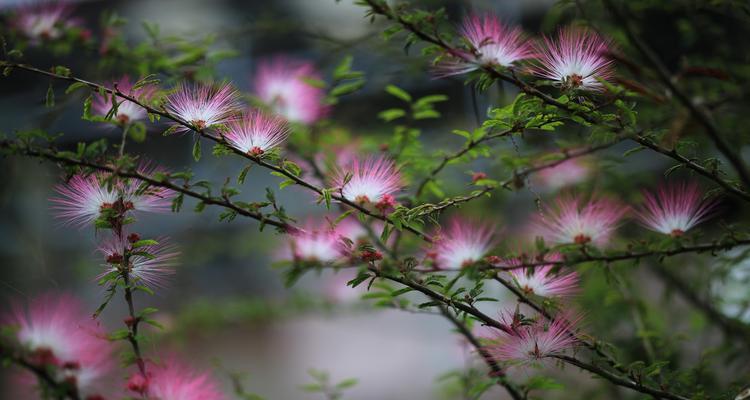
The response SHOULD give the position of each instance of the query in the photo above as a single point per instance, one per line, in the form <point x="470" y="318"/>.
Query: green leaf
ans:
<point x="144" y="242"/>
<point x="137" y="131"/>
<point x="75" y="86"/>
<point x="342" y="70"/>
<point x="49" y="100"/>
<point x="347" y="88"/>
<point x="197" y="150"/>
<point x="398" y="92"/>
<point x="391" y="114"/>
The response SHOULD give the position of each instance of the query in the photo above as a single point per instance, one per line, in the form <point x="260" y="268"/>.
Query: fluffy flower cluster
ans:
<point x="316" y="242"/>
<point x="675" y="209"/>
<point x="492" y="43"/>
<point x="280" y="83"/>
<point x="204" y="106"/>
<point x="575" y="59"/>
<point x="46" y="21"/>
<point x="372" y="180"/>
<point x="174" y="380"/>
<point x="523" y="342"/>
<point x="61" y="336"/>
<point x="149" y="265"/>
<point x="256" y="133"/>
<point x="462" y="244"/>
<point x="542" y="280"/>
<point x="84" y="197"/>
<point x="127" y="111"/>
<point x="574" y="221"/>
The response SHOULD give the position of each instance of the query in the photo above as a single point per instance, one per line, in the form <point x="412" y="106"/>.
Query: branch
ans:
<point x="53" y="156"/>
<point x="618" y="380"/>
<point x="217" y="139"/>
<point x="383" y="9"/>
<point x="701" y="116"/>
<point x="65" y="391"/>
<point x="487" y="357"/>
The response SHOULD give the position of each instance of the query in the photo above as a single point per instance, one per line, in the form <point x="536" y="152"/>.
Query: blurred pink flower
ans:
<point x="540" y="280"/>
<point x="571" y="222"/>
<point x="567" y="173"/>
<point x="316" y="242"/>
<point x="44" y="21"/>
<point x="493" y="44"/>
<point x="280" y="84"/>
<point x="256" y="133"/>
<point x="150" y="271"/>
<point x="373" y="180"/>
<point x="174" y="380"/>
<point x="60" y="334"/>
<point x="127" y="111"/>
<point x="675" y="209"/>
<point x="462" y="244"/>
<point x="575" y="59"/>
<point x="204" y="106"/>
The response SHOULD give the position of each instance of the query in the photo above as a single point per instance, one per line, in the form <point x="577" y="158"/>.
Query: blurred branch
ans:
<point x="61" y="390"/>
<point x="729" y="326"/>
<point x="699" y="114"/>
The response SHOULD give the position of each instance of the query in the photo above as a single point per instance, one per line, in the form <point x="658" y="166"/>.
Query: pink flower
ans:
<point x="373" y="180"/>
<point x="127" y="111"/>
<point x="82" y="199"/>
<point x="173" y="380"/>
<point x="675" y="209"/>
<point x="526" y="342"/>
<point x="575" y="59"/>
<point x="151" y="271"/>
<point x="492" y="43"/>
<point x="567" y="173"/>
<point x="541" y="281"/>
<point x="203" y="106"/>
<point x="570" y="222"/>
<point x="44" y="21"/>
<point x="256" y="133"/>
<point x="280" y="84"/>
<point x="316" y="242"/>
<point x="60" y="335"/>
<point x="462" y="244"/>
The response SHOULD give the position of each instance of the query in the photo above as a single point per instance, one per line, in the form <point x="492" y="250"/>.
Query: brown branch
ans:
<point x="618" y="380"/>
<point x="699" y="114"/>
<point x="486" y="356"/>
<point x="53" y="156"/>
<point x="64" y="390"/>
<point x="163" y="113"/>
<point x="383" y="9"/>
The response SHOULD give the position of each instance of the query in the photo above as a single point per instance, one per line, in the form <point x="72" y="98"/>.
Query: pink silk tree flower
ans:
<point x="493" y="44"/>
<point x="529" y="343"/>
<point x="574" y="222"/>
<point x="567" y="173"/>
<point x="45" y="21"/>
<point x="372" y="180"/>
<point x="316" y="242"/>
<point x="540" y="280"/>
<point x="127" y="111"/>
<point x="675" y="209"/>
<point x="174" y="380"/>
<point x="151" y="271"/>
<point x="203" y="106"/>
<point x="280" y="83"/>
<point x="82" y="199"/>
<point x="462" y="244"/>
<point x="256" y="133"/>
<point x="575" y="59"/>
<point x="59" y="334"/>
